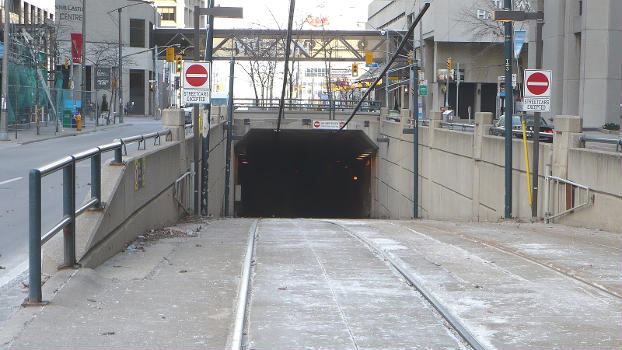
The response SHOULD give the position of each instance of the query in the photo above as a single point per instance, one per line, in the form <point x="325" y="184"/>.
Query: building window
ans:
<point x="167" y="13"/>
<point x="137" y="32"/>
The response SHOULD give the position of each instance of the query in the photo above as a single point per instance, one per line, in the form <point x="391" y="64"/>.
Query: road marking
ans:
<point x="10" y="180"/>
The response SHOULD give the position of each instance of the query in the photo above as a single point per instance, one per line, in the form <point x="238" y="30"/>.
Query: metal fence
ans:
<point x="617" y="142"/>
<point x="68" y="222"/>
<point x="562" y="197"/>
<point x="305" y="104"/>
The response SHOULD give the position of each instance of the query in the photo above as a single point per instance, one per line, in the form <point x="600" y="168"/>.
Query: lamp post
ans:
<point x="120" y="80"/>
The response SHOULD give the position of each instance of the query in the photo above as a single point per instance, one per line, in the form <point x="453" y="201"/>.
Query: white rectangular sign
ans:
<point x="327" y="124"/>
<point x="194" y="96"/>
<point x="536" y="104"/>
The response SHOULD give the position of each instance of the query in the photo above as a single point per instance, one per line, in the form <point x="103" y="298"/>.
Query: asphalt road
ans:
<point x="15" y="163"/>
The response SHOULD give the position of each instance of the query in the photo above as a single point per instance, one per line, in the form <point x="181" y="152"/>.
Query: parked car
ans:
<point x="546" y="130"/>
<point x="188" y="115"/>
<point x="499" y="125"/>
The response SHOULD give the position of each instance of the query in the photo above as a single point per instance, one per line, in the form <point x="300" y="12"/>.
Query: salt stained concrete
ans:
<point x="316" y="284"/>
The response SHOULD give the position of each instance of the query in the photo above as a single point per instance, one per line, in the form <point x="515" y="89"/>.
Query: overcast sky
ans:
<point x="340" y="14"/>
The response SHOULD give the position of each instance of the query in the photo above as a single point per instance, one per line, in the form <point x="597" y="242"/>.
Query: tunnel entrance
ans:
<point x="304" y="173"/>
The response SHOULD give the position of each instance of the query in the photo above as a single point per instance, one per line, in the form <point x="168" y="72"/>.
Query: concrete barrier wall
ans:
<point x="462" y="175"/>
<point x="136" y="203"/>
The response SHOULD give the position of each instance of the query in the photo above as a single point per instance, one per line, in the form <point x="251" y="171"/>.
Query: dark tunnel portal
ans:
<point x="305" y="173"/>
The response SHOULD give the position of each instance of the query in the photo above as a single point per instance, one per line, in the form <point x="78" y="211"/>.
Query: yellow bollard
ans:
<point x="527" y="162"/>
<point x="79" y="122"/>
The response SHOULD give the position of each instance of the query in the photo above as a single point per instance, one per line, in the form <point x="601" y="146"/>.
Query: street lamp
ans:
<point x="120" y="95"/>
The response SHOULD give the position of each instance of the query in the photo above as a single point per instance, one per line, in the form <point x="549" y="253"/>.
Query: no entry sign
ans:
<point x="537" y="91"/>
<point x="328" y="124"/>
<point x="196" y="83"/>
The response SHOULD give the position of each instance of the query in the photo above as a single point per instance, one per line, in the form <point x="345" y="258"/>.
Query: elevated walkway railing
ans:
<point x="304" y="105"/>
<point x="617" y="142"/>
<point x="68" y="222"/>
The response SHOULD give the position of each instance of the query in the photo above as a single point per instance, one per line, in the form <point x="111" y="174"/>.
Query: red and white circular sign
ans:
<point x="196" y="75"/>
<point x="537" y="84"/>
<point x="316" y="124"/>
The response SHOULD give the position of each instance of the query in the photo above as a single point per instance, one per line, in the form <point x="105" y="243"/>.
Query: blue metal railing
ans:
<point x="68" y="222"/>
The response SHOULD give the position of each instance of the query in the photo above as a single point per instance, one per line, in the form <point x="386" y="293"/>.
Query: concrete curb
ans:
<point x="76" y="134"/>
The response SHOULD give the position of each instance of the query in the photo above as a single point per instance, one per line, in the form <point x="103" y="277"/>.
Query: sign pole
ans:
<point x="205" y="136"/>
<point x="509" y="111"/>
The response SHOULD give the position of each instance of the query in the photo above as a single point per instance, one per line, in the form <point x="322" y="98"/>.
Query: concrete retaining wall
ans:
<point x="462" y="175"/>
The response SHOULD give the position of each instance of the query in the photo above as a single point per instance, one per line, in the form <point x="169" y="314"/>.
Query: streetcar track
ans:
<point x="411" y="280"/>
<point x="516" y="252"/>
<point x="243" y="292"/>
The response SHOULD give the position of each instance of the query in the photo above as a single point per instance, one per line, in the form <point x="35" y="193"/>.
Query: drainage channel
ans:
<point x="457" y="326"/>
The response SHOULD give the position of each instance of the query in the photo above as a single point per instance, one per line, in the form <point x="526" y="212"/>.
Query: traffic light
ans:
<point x="170" y="54"/>
<point x="449" y="61"/>
<point x="410" y="58"/>
<point x="355" y="69"/>
<point x="66" y="62"/>
<point x="178" y="63"/>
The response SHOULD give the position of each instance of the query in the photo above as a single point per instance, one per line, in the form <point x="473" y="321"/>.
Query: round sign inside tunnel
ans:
<point x="196" y="75"/>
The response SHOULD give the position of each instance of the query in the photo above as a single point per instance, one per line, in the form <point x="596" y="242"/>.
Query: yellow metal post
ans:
<point x="527" y="162"/>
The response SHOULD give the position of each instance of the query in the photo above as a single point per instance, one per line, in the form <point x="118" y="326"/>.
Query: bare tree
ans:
<point x="478" y="16"/>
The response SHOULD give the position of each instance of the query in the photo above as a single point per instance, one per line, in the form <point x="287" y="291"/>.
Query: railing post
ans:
<point x="118" y="155"/>
<point x="34" y="236"/>
<point x="69" y="209"/>
<point x="96" y="178"/>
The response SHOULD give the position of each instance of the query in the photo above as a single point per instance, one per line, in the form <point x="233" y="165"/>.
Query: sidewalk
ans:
<point x="171" y="289"/>
<point x="48" y="131"/>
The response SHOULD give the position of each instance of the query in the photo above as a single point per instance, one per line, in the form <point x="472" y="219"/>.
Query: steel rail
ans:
<point x="240" y="315"/>
<point x="415" y="282"/>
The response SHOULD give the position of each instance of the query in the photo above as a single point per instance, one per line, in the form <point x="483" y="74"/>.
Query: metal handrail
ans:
<point x="303" y="104"/>
<point x="68" y="221"/>
<point x="452" y="126"/>
<point x="529" y="133"/>
<point x="617" y="142"/>
<point x="548" y="216"/>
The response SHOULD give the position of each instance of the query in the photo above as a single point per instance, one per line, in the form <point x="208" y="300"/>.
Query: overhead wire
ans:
<point x="388" y="65"/>
<point x="292" y="4"/>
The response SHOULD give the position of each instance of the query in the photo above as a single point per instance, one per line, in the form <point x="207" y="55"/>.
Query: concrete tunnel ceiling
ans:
<point x="304" y="173"/>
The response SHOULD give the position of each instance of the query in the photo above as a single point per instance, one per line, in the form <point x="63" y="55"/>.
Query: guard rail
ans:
<point x="68" y="222"/>
<point x="617" y="142"/>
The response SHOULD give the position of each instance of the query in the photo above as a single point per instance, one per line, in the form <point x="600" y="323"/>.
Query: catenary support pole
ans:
<point x="509" y="104"/>
<point x="4" y="116"/>
<point x="209" y="39"/>
<point x="195" y="118"/>
<point x="229" y="135"/>
<point x="415" y="104"/>
<point x="536" y="123"/>
<point x="120" y="105"/>
<point x="83" y="66"/>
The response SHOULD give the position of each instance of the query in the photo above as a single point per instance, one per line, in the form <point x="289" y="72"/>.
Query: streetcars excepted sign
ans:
<point x="328" y="124"/>
<point x="196" y="84"/>
<point x="537" y="91"/>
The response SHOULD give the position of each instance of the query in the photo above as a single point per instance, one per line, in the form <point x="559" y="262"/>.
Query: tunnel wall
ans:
<point x="462" y="175"/>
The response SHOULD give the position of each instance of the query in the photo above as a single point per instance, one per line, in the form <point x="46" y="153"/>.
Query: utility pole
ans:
<point x="536" y="122"/>
<point x="457" y="88"/>
<point x="414" y="76"/>
<point x="509" y="111"/>
<point x="229" y="135"/>
<point x="4" y="117"/>
<point x="83" y="65"/>
<point x="121" y="109"/>
<point x="386" y="75"/>
<point x="209" y="38"/>
<point x="197" y="131"/>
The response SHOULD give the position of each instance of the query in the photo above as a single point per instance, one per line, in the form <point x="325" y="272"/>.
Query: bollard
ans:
<point x="96" y="178"/>
<point x="79" y="122"/>
<point x="69" y="209"/>
<point x="118" y="156"/>
<point x="34" y="236"/>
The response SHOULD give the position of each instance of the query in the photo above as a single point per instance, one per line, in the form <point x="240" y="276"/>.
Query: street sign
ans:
<point x="537" y="83"/>
<point x="170" y="54"/>
<point x="328" y="124"/>
<point x="537" y="91"/>
<point x="196" y="85"/>
<point x="423" y="89"/>
<point x="102" y="78"/>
